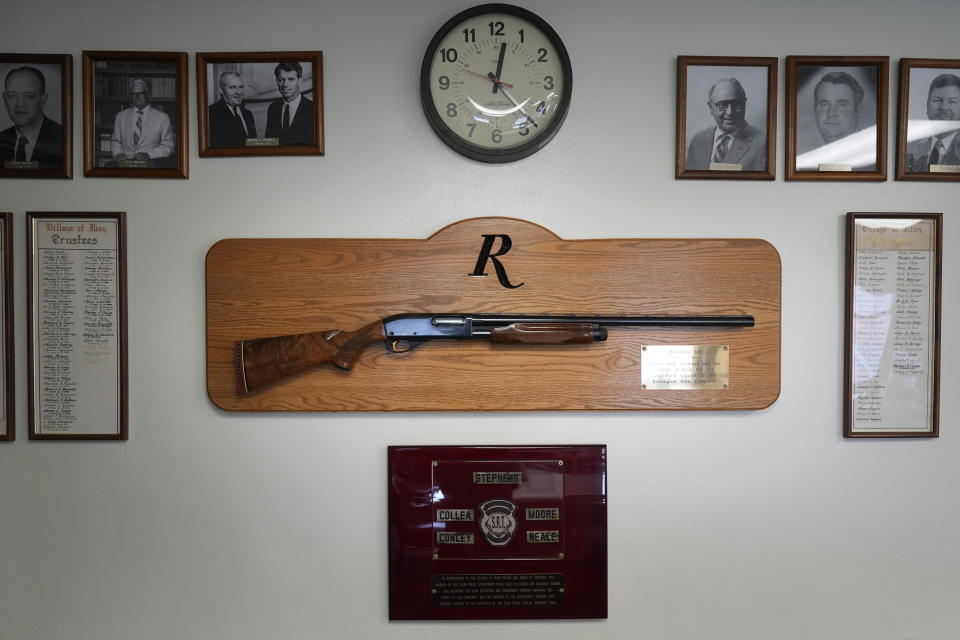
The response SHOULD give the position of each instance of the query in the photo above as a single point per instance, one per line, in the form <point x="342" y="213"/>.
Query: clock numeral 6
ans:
<point x="496" y="136"/>
<point x="450" y="55"/>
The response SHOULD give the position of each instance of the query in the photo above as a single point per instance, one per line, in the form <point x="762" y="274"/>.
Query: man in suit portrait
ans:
<point x="141" y="132"/>
<point x="942" y="148"/>
<point x="33" y="137"/>
<point x="733" y="140"/>
<point x="230" y="123"/>
<point x="291" y="118"/>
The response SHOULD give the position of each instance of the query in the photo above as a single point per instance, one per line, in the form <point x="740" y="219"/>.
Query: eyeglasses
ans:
<point x="723" y="105"/>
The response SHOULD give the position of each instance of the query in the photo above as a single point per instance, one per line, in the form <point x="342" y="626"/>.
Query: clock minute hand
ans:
<point x="517" y="104"/>
<point x="496" y="76"/>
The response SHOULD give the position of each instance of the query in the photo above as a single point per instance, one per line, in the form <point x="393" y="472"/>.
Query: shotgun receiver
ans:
<point x="262" y="361"/>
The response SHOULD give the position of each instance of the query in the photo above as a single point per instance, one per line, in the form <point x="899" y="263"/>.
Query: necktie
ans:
<point x="236" y="116"/>
<point x="286" y="117"/>
<point x="721" y="152"/>
<point x="139" y="131"/>
<point x="937" y="152"/>
<point x="21" y="155"/>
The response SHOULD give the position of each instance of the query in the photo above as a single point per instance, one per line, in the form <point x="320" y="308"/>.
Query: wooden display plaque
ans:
<point x="268" y="287"/>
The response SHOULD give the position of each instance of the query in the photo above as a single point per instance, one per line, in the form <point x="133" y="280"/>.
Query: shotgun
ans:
<point x="262" y="361"/>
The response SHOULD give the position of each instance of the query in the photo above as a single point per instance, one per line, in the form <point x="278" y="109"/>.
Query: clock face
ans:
<point x="495" y="83"/>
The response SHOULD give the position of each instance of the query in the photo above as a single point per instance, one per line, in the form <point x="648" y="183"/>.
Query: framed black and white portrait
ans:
<point x="837" y="118"/>
<point x="726" y="117"/>
<point x="262" y="104"/>
<point x="928" y="123"/>
<point x="135" y="114"/>
<point x="35" y="122"/>
<point x="8" y="429"/>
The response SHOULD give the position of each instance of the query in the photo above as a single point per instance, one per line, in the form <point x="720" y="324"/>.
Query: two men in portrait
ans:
<point x="290" y="119"/>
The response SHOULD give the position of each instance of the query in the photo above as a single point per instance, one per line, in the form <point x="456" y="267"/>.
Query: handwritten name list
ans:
<point x="893" y="322"/>
<point x="77" y="362"/>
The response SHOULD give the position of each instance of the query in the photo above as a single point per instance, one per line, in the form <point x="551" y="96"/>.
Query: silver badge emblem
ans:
<point x="498" y="522"/>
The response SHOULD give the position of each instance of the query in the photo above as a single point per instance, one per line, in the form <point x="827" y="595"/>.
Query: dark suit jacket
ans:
<point x="748" y="149"/>
<point x="49" y="151"/>
<point x="918" y="154"/>
<point x="301" y="129"/>
<point x="224" y="130"/>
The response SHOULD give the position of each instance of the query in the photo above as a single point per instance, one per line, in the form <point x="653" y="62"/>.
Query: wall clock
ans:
<point x="495" y="83"/>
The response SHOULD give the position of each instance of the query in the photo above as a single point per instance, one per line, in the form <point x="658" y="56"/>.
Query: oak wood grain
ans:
<point x="258" y="288"/>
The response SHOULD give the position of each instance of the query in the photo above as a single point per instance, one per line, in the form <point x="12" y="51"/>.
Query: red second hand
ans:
<point x="495" y="81"/>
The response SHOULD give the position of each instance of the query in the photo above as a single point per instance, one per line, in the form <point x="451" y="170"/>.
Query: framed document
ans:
<point x="260" y="104"/>
<point x="77" y="323"/>
<point x="135" y="114"/>
<point x="726" y="117"/>
<point x="837" y="118"/>
<point x="497" y="532"/>
<point x="36" y="121"/>
<point x="8" y="427"/>
<point x="928" y="129"/>
<point x="892" y="337"/>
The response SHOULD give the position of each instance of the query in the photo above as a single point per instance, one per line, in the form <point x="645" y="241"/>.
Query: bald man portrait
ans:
<point x="230" y="123"/>
<point x="733" y="141"/>
<point x="33" y="138"/>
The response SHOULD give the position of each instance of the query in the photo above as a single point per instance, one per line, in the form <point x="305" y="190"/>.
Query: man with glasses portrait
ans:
<point x="733" y="143"/>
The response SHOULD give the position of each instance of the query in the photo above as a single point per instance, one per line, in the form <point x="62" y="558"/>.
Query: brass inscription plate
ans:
<point x="685" y="367"/>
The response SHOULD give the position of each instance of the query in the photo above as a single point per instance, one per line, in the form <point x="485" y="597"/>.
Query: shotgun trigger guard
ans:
<point x="402" y="346"/>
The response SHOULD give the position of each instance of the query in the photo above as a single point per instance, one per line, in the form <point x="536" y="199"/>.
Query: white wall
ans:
<point x="729" y="526"/>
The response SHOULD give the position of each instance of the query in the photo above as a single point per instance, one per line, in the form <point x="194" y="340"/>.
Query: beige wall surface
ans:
<point x="729" y="526"/>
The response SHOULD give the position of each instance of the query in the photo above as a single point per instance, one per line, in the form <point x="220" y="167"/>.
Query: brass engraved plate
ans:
<point x="680" y="366"/>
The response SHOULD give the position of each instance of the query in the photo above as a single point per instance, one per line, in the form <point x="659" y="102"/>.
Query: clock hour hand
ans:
<point x="496" y="76"/>
<point x="489" y="76"/>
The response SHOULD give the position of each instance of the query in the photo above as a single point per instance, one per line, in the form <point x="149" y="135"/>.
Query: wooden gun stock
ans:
<point x="262" y="361"/>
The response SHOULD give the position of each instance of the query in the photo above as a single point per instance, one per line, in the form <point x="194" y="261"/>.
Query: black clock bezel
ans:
<point x="476" y="152"/>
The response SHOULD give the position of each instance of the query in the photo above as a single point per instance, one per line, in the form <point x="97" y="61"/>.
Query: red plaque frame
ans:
<point x="497" y="532"/>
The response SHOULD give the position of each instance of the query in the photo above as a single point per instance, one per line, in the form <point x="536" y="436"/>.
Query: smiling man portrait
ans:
<point x="733" y="141"/>
<point x="230" y="123"/>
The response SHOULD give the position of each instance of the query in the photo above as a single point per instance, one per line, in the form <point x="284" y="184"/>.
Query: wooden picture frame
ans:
<point x="239" y="103"/>
<point x="113" y="145"/>
<point x="929" y="112"/>
<point x="747" y="153"/>
<point x="40" y="110"/>
<point x="892" y="328"/>
<point x="8" y="424"/>
<point x="844" y="135"/>
<point x="77" y="325"/>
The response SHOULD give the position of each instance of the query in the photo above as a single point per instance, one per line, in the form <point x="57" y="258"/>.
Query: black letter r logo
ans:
<point x="485" y="255"/>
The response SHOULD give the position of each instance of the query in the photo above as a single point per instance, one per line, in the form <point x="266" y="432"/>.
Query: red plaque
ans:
<point x="498" y="532"/>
